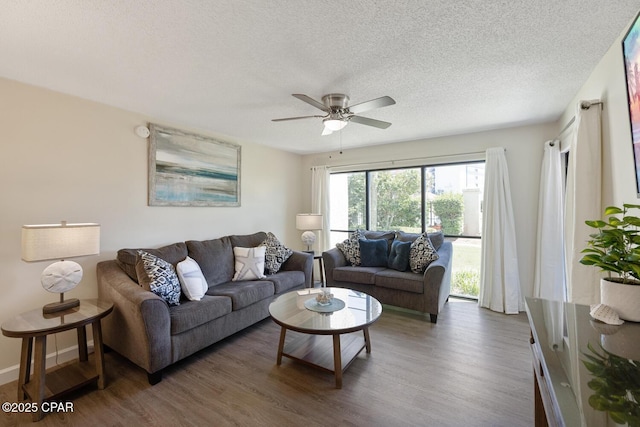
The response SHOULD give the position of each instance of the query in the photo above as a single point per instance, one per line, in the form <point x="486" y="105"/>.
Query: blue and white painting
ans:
<point x="192" y="170"/>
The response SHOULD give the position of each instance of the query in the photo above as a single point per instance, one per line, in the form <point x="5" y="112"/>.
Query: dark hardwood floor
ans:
<point x="473" y="368"/>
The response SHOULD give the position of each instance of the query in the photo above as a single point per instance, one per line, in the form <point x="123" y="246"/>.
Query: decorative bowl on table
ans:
<point x="324" y="298"/>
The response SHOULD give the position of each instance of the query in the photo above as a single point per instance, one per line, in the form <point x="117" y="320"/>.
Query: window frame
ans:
<point x="423" y="200"/>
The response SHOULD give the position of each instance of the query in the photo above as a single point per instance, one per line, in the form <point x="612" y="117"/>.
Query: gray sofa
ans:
<point x="153" y="335"/>
<point x="426" y="292"/>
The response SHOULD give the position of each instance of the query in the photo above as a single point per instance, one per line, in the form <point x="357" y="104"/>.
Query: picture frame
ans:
<point x="187" y="169"/>
<point x="631" y="55"/>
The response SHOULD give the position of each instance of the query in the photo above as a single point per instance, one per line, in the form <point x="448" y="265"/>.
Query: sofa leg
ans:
<point x="434" y="317"/>
<point x="154" y="378"/>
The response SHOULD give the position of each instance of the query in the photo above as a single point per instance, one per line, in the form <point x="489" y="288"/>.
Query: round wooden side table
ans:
<point x="34" y="325"/>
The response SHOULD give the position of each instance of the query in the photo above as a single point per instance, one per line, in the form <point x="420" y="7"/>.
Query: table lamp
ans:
<point x="308" y="222"/>
<point x="60" y="241"/>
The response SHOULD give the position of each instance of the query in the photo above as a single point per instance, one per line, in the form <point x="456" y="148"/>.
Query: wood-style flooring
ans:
<point x="473" y="368"/>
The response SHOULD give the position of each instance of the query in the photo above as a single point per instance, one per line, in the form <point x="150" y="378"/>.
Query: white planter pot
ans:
<point x="624" y="299"/>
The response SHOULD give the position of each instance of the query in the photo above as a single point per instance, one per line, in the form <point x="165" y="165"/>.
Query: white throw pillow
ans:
<point x="192" y="281"/>
<point x="249" y="263"/>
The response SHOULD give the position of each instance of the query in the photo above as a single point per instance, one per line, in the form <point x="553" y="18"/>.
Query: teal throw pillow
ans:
<point x="373" y="253"/>
<point x="399" y="255"/>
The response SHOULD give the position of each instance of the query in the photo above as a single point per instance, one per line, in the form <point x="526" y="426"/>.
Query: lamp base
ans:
<point x="55" y="307"/>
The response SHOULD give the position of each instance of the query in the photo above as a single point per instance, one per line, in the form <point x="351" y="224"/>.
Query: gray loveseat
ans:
<point x="153" y="335"/>
<point x="426" y="292"/>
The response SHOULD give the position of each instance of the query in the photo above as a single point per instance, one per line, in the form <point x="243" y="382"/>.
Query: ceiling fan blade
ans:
<point x="369" y="122"/>
<point x="370" y="105"/>
<point x="311" y="101"/>
<point x="295" y="118"/>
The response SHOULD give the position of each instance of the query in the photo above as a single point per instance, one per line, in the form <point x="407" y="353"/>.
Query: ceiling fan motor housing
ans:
<point x="336" y="101"/>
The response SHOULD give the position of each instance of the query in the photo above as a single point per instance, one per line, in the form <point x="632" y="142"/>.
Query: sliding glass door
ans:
<point x="417" y="199"/>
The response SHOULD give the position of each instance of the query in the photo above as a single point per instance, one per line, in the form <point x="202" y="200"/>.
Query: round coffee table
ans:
<point x="360" y="310"/>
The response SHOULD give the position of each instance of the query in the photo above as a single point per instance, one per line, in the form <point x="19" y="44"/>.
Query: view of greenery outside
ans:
<point x="394" y="202"/>
<point x="448" y="207"/>
<point x="465" y="277"/>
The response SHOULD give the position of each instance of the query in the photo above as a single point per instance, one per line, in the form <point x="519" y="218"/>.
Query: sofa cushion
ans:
<point x="215" y="258"/>
<point x="275" y="255"/>
<point x="350" y="248"/>
<point x="191" y="314"/>
<point x="248" y="240"/>
<point x="437" y="238"/>
<point x="286" y="280"/>
<point x="364" y="275"/>
<point x="373" y="253"/>
<point x="245" y="293"/>
<point x="192" y="281"/>
<point x="173" y="254"/>
<point x="158" y="276"/>
<point x="399" y="255"/>
<point x="389" y="236"/>
<point x="249" y="263"/>
<point x="400" y="280"/>
<point x="422" y="254"/>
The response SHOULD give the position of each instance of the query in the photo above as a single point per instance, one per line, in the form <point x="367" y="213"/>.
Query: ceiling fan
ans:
<point x="339" y="113"/>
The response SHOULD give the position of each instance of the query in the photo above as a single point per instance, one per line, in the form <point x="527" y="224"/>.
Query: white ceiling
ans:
<point x="230" y="66"/>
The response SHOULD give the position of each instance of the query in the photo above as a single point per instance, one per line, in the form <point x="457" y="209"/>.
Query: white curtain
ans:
<point x="320" y="203"/>
<point x="500" y="278"/>
<point x="583" y="202"/>
<point x="549" y="271"/>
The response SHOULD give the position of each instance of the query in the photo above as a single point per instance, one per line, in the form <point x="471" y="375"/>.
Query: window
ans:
<point x="427" y="198"/>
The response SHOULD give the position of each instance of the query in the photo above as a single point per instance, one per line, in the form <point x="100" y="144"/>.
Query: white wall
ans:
<point x="65" y="158"/>
<point x="607" y="82"/>
<point x="524" y="157"/>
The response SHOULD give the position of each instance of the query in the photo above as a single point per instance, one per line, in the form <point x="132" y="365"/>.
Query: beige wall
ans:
<point x="524" y="157"/>
<point x="65" y="158"/>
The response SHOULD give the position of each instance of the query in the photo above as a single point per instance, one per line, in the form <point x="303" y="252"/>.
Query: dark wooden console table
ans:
<point x="563" y="340"/>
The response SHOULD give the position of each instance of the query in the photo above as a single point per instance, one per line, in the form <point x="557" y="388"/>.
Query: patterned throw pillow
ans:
<point x="351" y="247"/>
<point x="275" y="255"/>
<point x="249" y="263"/>
<point x="422" y="254"/>
<point x="162" y="277"/>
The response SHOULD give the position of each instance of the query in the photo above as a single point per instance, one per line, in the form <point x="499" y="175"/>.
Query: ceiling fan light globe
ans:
<point x="334" y="125"/>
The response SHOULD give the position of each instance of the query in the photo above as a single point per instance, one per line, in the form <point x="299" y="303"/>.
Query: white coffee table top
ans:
<point x="360" y="310"/>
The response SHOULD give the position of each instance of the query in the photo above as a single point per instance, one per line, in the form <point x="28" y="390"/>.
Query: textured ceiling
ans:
<point x="230" y="66"/>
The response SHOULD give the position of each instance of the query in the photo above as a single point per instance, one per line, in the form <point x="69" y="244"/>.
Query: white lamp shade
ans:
<point x="59" y="241"/>
<point x="334" y="125"/>
<point x="309" y="222"/>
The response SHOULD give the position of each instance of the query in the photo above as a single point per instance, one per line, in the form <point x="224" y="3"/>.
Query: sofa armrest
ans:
<point x="139" y="327"/>
<point x="332" y="259"/>
<point x="300" y="261"/>
<point x="437" y="279"/>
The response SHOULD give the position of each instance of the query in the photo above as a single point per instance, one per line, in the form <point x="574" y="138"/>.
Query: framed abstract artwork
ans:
<point x="186" y="169"/>
<point x="631" y="54"/>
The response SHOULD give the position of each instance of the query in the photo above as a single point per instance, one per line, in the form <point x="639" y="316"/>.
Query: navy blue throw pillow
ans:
<point x="373" y="253"/>
<point x="399" y="255"/>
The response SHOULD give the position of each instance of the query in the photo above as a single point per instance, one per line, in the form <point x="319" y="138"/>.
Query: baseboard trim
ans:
<point x="10" y="374"/>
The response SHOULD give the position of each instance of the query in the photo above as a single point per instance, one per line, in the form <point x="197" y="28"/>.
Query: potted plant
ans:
<point x="615" y="248"/>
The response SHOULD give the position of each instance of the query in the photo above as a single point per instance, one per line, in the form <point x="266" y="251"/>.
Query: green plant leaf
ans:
<point x="612" y="210"/>
<point x="596" y="223"/>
